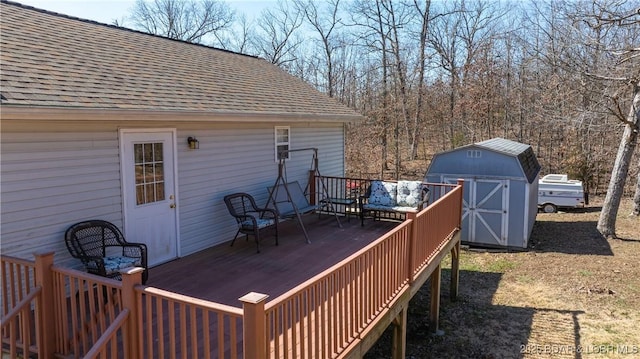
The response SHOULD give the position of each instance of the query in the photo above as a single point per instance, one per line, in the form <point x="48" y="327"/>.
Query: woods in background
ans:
<point x="562" y="76"/>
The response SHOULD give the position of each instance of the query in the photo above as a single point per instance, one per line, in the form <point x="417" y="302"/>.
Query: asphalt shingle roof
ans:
<point x="48" y="59"/>
<point x="523" y="152"/>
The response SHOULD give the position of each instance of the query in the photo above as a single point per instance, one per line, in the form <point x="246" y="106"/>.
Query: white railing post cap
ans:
<point x="253" y="298"/>
<point x="131" y="270"/>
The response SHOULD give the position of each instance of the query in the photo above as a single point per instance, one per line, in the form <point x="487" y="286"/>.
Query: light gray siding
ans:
<point x="242" y="160"/>
<point x="57" y="174"/>
<point x="52" y="180"/>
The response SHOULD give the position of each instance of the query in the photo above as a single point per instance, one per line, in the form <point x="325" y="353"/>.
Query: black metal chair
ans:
<point x="251" y="219"/>
<point x="103" y="249"/>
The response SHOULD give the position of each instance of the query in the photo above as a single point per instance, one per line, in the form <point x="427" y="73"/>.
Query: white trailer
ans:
<point x="558" y="191"/>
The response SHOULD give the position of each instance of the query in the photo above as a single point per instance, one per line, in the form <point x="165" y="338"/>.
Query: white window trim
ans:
<point x="276" y="143"/>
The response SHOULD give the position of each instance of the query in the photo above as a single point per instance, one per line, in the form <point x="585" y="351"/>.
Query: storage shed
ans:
<point x="500" y="190"/>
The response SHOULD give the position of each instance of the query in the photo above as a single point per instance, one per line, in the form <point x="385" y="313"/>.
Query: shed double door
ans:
<point x="485" y="210"/>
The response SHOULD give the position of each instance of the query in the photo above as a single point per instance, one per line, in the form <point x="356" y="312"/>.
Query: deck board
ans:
<point x="223" y="273"/>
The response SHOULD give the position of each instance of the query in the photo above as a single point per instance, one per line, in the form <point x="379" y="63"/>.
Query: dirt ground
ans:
<point x="571" y="294"/>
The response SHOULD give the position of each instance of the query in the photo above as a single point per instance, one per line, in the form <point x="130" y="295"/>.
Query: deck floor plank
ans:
<point x="223" y="273"/>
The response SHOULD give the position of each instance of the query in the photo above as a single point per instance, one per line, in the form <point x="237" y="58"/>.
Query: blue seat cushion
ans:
<point x="409" y="193"/>
<point x="377" y="207"/>
<point x="116" y="263"/>
<point x="383" y="193"/>
<point x="262" y="223"/>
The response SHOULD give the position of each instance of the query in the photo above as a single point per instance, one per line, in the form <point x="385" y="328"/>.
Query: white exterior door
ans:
<point x="149" y="189"/>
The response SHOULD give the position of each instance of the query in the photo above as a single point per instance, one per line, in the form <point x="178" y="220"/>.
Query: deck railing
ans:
<point x="175" y="325"/>
<point x="48" y="310"/>
<point x="435" y="225"/>
<point x="21" y="298"/>
<point x="86" y="308"/>
<point x="323" y="316"/>
<point x="341" y="188"/>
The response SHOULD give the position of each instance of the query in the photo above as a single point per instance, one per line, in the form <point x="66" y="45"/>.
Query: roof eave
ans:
<point x="47" y="113"/>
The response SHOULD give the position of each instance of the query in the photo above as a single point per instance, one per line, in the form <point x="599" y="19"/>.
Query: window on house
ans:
<point x="282" y="142"/>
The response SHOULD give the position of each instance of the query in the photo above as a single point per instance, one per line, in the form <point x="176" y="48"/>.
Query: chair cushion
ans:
<point x="383" y="193"/>
<point x="409" y="193"/>
<point x="115" y="264"/>
<point x="262" y="223"/>
<point x="401" y="209"/>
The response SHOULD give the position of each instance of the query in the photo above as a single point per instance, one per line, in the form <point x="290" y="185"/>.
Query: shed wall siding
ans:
<point x="490" y="164"/>
<point x="56" y="174"/>
<point x="516" y="212"/>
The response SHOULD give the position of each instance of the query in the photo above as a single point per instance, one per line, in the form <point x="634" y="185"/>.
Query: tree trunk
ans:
<point x="607" y="221"/>
<point x="636" y="197"/>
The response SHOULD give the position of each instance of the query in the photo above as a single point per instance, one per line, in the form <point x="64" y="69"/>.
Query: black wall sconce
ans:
<point x="194" y="144"/>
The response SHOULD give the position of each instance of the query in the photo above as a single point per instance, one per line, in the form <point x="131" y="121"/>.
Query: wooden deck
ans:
<point x="223" y="273"/>
<point x="190" y="307"/>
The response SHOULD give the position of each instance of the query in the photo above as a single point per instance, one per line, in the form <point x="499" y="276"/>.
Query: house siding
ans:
<point x="57" y="173"/>
<point x="51" y="180"/>
<point x="242" y="161"/>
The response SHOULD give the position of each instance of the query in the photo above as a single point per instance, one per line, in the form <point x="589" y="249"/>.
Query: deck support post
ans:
<point x="434" y="312"/>
<point x="46" y="328"/>
<point x="399" y="346"/>
<point x="131" y="277"/>
<point x="455" y="268"/>
<point x="254" y="325"/>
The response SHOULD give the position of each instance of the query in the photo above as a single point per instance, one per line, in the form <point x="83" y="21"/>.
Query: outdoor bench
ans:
<point x="392" y="200"/>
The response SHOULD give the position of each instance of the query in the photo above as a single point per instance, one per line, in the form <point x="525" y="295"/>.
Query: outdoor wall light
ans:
<point x="194" y="144"/>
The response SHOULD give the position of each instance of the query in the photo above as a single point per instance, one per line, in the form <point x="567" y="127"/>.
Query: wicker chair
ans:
<point x="251" y="219"/>
<point x="103" y="250"/>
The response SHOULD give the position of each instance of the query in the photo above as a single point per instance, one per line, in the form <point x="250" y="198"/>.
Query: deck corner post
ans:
<point x="131" y="277"/>
<point x="434" y="312"/>
<point x="455" y="268"/>
<point x="461" y="184"/>
<point x="413" y="241"/>
<point x="44" y="278"/>
<point x="254" y="325"/>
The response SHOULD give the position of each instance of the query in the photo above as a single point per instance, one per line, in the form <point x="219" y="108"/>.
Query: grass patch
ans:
<point x="501" y="265"/>
<point x="585" y="273"/>
<point x="525" y="279"/>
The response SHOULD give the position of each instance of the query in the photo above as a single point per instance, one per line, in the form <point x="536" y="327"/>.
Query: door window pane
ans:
<point x="149" y="172"/>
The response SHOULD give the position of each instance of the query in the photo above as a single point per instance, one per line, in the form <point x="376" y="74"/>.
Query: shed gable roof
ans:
<point x="522" y="153"/>
<point x="53" y="60"/>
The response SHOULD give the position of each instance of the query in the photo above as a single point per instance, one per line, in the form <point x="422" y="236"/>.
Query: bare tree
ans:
<point x="238" y="38"/>
<point x="276" y="39"/>
<point x="325" y="22"/>
<point x="369" y="18"/>
<point x="187" y="20"/>
<point x="611" y="204"/>
<point x="414" y="127"/>
<point x="621" y="25"/>
<point x="636" y="197"/>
